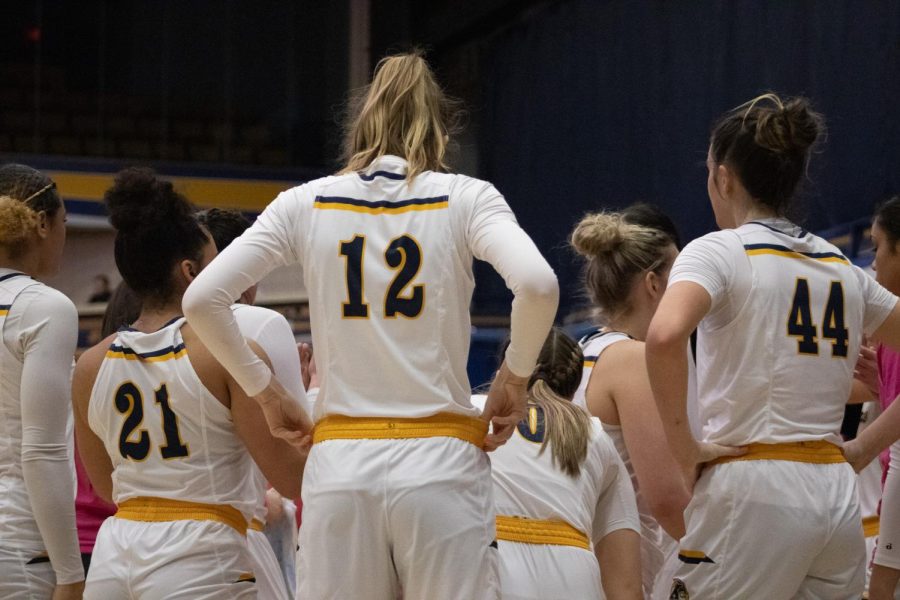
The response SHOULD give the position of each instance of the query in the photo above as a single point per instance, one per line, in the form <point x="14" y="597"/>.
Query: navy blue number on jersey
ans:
<point x="404" y="255"/>
<point x="532" y="426"/>
<point x="801" y="326"/>
<point x="130" y="402"/>
<point x="354" y="250"/>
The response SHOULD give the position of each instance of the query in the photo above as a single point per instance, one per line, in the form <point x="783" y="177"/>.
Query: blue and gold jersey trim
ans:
<point x="590" y="361"/>
<point x="785" y="252"/>
<point x="4" y="309"/>
<point x="170" y="353"/>
<point x="380" y="207"/>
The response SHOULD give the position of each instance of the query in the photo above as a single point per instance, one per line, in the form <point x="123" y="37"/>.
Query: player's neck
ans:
<point x="27" y="263"/>
<point x="635" y="323"/>
<point x="153" y="318"/>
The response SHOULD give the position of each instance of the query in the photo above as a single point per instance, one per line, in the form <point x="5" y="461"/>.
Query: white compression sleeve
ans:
<point x="495" y="237"/>
<point x="207" y="302"/>
<point x="49" y="325"/>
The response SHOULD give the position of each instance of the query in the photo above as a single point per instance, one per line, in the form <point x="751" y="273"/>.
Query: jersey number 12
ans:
<point x="800" y="324"/>
<point x="404" y="255"/>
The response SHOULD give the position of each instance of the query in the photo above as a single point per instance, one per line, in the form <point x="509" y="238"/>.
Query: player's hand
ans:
<point x="857" y="455"/>
<point x="866" y="370"/>
<point x="285" y="416"/>
<point x="307" y="366"/>
<point x="274" y="506"/>
<point x="504" y="407"/>
<point x="705" y="452"/>
<point x="68" y="591"/>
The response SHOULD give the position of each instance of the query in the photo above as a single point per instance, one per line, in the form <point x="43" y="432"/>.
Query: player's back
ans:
<point x="388" y="269"/>
<point x="167" y="436"/>
<point x="776" y="357"/>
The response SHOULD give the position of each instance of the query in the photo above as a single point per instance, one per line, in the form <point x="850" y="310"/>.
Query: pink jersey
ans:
<point x="889" y="387"/>
<point x="90" y="509"/>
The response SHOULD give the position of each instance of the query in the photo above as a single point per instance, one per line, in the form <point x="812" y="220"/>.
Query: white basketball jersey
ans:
<point x="776" y="352"/>
<point x="389" y="269"/>
<point x="166" y="434"/>
<point x="600" y="500"/>
<point x="16" y="520"/>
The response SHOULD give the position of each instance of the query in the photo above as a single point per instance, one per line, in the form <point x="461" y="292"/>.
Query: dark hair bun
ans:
<point x="138" y="200"/>
<point x="789" y="128"/>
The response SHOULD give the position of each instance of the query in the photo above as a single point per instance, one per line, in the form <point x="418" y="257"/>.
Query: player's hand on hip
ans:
<point x="505" y="406"/>
<point x="704" y="453"/>
<point x="68" y="591"/>
<point x="284" y="414"/>
<point x="856" y="454"/>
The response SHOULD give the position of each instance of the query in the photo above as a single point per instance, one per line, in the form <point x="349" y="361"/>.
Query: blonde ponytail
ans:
<point x="402" y="112"/>
<point x="567" y="427"/>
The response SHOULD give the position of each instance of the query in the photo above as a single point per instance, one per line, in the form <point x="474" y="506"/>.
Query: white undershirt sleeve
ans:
<point x="207" y="303"/>
<point x="495" y="236"/>
<point x="277" y="338"/>
<point x="49" y="334"/>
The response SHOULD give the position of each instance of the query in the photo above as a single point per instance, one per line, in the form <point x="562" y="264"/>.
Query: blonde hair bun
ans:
<point x="600" y="233"/>
<point x="17" y="221"/>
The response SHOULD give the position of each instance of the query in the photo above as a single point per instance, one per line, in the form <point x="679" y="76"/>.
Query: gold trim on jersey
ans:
<point x="786" y="253"/>
<point x="380" y="207"/>
<point x="256" y="525"/>
<point x="536" y="531"/>
<point x="4" y="312"/>
<point x="161" y="510"/>
<point x="340" y="427"/>
<point x="871" y="526"/>
<point x="818" y="452"/>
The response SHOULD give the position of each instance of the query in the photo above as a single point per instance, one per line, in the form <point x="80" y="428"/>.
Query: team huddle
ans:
<point x="688" y="448"/>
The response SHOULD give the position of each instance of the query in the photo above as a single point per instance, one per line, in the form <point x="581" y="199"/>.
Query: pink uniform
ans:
<point x="90" y="509"/>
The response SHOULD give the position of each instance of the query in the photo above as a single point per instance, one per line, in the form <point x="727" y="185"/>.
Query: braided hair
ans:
<point x="567" y="427"/>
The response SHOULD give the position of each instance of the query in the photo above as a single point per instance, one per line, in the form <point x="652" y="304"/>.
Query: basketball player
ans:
<point x="162" y="429"/>
<point x="886" y="563"/>
<point x="625" y="275"/>
<point x="560" y="489"/>
<point x="781" y="315"/>
<point x="398" y="487"/>
<point x="39" y="554"/>
<point x="271" y="331"/>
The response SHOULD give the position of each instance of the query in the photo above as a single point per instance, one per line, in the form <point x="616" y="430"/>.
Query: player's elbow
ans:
<point x="540" y="288"/>
<point x="194" y="302"/>
<point x="667" y="507"/>
<point x="662" y="340"/>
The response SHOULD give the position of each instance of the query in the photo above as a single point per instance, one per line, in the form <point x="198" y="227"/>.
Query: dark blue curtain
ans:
<point x="592" y="104"/>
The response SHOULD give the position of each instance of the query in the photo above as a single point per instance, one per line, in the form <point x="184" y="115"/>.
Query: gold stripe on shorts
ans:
<point x="256" y="525"/>
<point x="340" y="427"/>
<point x="871" y="526"/>
<point x="818" y="452"/>
<point x="161" y="510"/>
<point x="536" y="531"/>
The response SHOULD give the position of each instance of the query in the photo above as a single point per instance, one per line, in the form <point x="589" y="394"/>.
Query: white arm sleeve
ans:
<point x="49" y="326"/>
<point x="495" y="236"/>
<point x="616" y="506"/>
<point x="877" y="300"/>
<point x="268" y="244"/>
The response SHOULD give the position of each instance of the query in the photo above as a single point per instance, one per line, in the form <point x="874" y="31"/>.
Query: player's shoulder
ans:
<point x="47" y="301"/>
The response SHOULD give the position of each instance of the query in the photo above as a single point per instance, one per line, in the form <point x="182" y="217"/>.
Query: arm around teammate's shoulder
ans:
<point x="281" y="462"/>
<point x="623" y="369"/>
